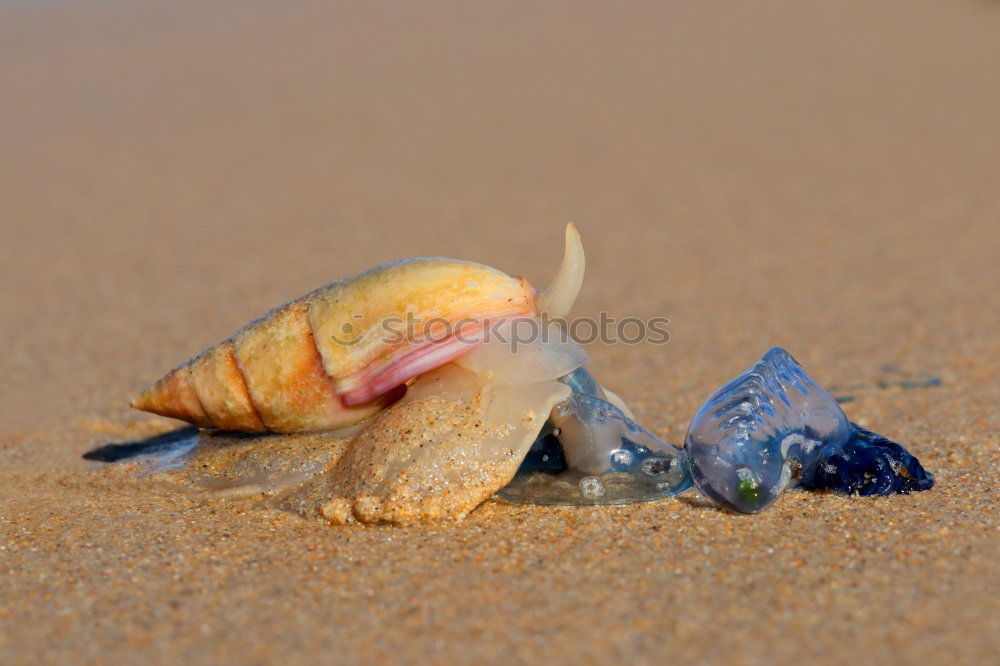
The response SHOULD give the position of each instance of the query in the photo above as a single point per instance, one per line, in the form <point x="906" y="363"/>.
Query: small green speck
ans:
<point x="749" y="490"/>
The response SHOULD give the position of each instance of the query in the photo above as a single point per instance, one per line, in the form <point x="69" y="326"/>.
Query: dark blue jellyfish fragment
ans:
<point x="868" y="464"/>
<point x="546" y="453"/>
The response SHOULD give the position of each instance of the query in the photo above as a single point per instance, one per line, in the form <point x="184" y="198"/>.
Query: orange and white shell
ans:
<point x="339" y="354"/>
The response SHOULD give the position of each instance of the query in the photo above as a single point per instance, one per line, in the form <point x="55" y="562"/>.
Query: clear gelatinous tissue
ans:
<point x="773" y="425"/>
<point x="591" y="453"/>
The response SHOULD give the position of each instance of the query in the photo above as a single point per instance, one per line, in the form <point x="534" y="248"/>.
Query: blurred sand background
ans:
<point x="820" y="175"/>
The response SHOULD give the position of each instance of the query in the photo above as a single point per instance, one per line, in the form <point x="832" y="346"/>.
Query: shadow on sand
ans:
<point x="155" y="445"/>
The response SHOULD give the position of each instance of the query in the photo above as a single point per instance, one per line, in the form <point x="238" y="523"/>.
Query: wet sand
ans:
<point x="821" y="176"/>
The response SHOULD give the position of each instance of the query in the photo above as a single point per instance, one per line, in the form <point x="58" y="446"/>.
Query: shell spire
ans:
<point x="556" y="300"/>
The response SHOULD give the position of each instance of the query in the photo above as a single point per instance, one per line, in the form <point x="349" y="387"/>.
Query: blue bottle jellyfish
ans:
<point x="592" y="453"/>
<point x="773" y="425"/>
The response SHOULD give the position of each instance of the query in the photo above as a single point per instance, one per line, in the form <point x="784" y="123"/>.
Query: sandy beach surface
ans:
<point x="824" y="176"/>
